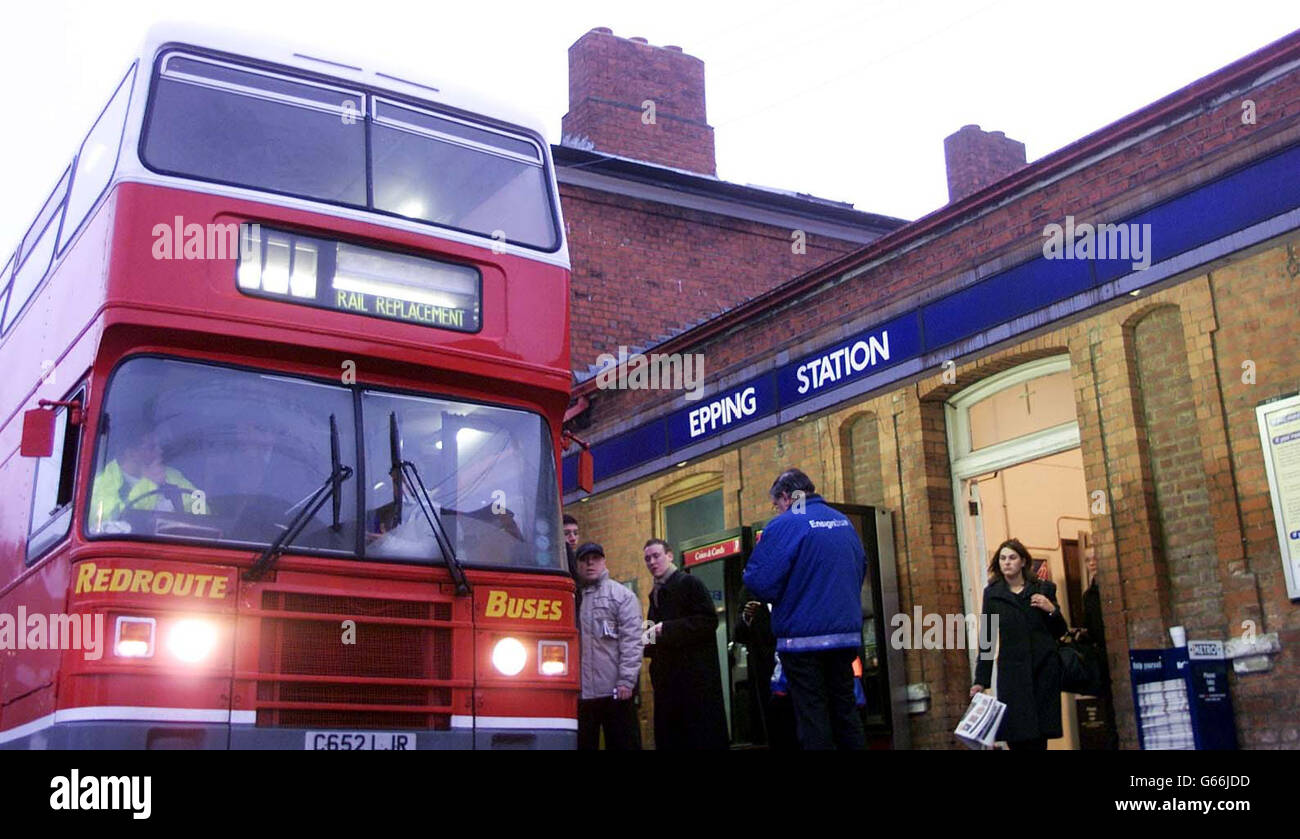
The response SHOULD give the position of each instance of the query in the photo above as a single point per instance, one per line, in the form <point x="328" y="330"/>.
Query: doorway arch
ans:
<point x="1017" y="471"/>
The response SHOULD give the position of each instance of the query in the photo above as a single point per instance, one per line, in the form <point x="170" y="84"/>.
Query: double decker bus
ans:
<point x="287" y="361"/>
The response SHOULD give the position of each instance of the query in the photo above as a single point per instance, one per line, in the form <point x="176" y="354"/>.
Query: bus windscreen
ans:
<point x="203" y="453"/>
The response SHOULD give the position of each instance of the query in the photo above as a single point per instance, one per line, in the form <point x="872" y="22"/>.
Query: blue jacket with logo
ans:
<point x="810" y="565"/>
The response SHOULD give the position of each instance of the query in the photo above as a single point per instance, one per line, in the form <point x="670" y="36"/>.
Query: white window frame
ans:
<point x="165" y="72"/>
<point x="965" y="463"/>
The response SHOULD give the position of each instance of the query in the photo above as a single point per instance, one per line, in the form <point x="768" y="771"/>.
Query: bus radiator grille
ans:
<point x="311" y="679"/>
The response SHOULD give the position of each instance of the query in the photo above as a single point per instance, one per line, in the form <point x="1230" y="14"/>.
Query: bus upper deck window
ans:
<point x="220" y="122"/>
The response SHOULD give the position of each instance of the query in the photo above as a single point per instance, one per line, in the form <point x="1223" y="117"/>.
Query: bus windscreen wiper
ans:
<point x="406" y="470"/>
<point x="332" y="488"/>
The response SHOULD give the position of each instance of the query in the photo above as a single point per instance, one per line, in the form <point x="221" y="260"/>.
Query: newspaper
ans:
<point x="978" y="729"/>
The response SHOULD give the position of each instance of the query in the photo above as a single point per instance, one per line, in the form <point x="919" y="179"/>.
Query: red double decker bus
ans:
<point x="287" y="354"/>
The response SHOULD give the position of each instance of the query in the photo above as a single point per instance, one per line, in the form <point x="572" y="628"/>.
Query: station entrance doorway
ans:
<point x="1017" y="470"/>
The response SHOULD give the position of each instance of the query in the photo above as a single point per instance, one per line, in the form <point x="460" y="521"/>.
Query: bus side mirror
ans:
<point x="38" y="433"/>
<point x="586" y="470"/>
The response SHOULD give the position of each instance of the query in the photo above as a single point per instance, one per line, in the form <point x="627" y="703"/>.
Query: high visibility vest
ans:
<point x="107" y="500"/>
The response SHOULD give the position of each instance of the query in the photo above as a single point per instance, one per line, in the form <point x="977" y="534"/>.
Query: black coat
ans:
<point x="684" y="671"/>
<point x="1029" y="670"/>
<point x="572" y="560"/>
<point x="760" y="643"/>
<point x="1092" y="622"/>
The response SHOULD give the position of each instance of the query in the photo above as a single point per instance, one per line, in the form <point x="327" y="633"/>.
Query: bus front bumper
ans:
<point x="127" y="734"/>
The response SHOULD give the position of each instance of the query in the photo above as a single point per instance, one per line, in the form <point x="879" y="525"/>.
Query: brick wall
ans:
<point x="1172" y="453"/>
<point x="860" y="446"/>
<point x="642" y="269"/>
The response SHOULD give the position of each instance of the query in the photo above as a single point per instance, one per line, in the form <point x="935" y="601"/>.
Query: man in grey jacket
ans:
<point x="610" y="624"/>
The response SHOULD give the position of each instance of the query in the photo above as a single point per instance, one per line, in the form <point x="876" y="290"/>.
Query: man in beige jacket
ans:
<point x="610" y="624"/>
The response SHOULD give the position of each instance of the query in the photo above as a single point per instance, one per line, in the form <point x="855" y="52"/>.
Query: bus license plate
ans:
<point x="352" y="741"/>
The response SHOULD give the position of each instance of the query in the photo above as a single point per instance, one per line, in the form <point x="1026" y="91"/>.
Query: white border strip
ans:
<point x="1290" y="562"/>
<point x="217" y="715"/>
<point x="561" y="723"/>
<point x="128" y="712"/>
<point x="27" y="728"/>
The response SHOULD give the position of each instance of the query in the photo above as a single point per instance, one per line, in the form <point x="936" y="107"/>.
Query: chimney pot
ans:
<point x="611" y="80"/>
<point x="978" y="158"/>
<point x="672" y="47"/>
<point x="604" y="30"/>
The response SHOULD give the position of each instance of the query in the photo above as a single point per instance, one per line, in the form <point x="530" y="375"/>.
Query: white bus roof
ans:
<point x="373" y="72"/>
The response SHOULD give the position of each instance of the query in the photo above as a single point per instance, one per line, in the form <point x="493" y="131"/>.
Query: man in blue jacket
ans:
<point x="810" y="565"/>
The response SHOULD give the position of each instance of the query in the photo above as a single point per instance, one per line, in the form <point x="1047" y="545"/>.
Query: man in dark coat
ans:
<point x="753" y="628"/>
<point x="1095" y="632"/>
<point x="1029" y="670"/>
<point x="683" y="653"/>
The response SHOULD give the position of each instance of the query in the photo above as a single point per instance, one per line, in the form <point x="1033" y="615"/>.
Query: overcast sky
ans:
<point x="844" y="100"/>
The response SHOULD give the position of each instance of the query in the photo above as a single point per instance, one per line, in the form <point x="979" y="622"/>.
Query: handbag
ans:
<point x="1080" y="668"/>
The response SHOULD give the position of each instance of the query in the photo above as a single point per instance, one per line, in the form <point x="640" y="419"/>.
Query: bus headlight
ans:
<point x="509" y="656"/>
<point x="553" y="658"/>
<point x="192" y="639"/>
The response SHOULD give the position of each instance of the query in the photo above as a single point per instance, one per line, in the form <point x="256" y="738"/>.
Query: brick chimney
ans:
<point x="978" y="158"/>
<point x="633" y="99"/>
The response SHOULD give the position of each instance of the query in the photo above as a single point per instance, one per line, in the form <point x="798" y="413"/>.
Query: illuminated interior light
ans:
<point x="411" y="209"/>
<point x="303" y="281"/>
<point x="468" y="438"/>
<point x="406" y="274"/>
<point x="250" y="257"/>
<point x="275" y="274"/>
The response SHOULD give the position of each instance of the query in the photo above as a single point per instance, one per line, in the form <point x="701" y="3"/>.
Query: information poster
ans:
<point x="1279" y="432"/>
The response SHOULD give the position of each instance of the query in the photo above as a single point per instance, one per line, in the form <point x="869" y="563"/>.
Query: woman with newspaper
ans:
<point x="1028" y="623"/>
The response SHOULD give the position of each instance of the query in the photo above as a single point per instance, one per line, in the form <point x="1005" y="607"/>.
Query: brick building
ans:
<point x="977" y="381"/>
<point x="658" y="243"/>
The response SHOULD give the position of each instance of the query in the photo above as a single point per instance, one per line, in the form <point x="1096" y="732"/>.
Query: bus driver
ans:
<point x="139" y="480"/>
